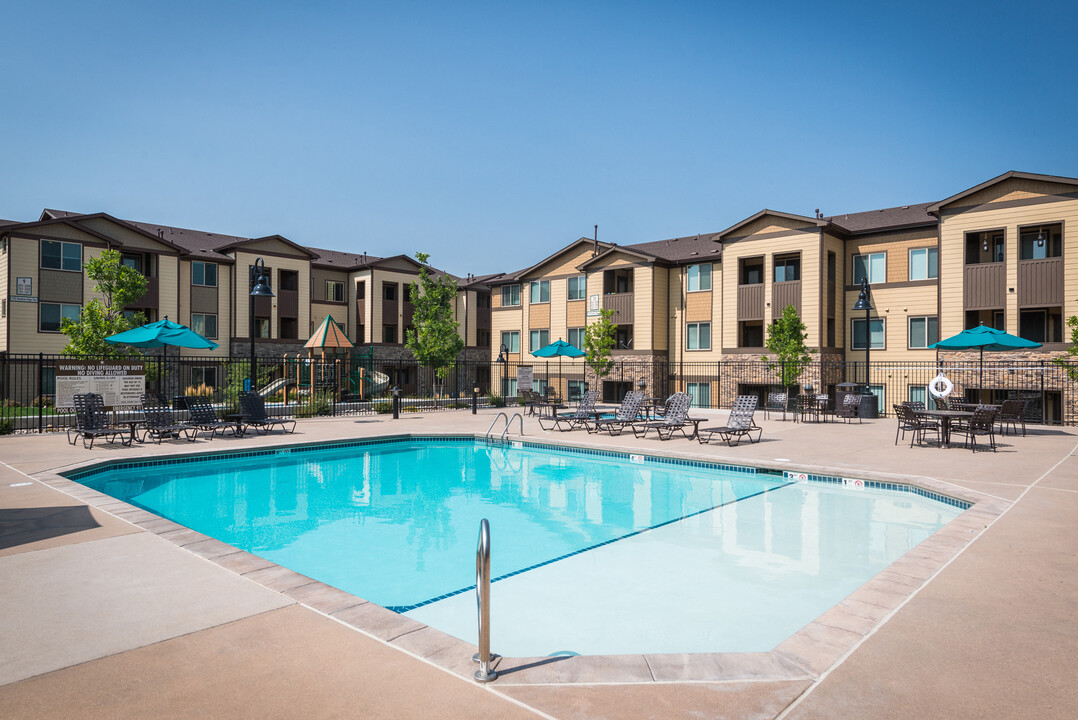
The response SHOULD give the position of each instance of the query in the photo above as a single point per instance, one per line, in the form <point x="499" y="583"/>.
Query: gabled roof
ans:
<point x="688" y="249"/>
<point x="279" y="238"/>
<point x="381" y="262"/>
<point x="935" y="207"/>
<point x="50" y="217"/>
<point x="818" y="222"/>
<point x="342" y="260"/>
<point x="516" y="276"/>
<point x="904" y="216"/>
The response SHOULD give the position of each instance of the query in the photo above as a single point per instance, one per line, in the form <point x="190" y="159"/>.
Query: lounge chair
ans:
<point x="91" y="421"/>
<point x="675" y="417"/>
<point x="627" y="414"/>
<point x="204" y="418"/>
<point x="254" y="408"/>
<point x="160" y="423"/>
<point x="740" y="423"/>
<point x="585" y="411"/>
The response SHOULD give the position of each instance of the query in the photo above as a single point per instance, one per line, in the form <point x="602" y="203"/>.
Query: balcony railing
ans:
<point x="622" y="305"/>
<point x="1040" y="282"/>
<point x="287" y="303"/>
<point x="783" y="294"/>
<point x="150" y="299"/>
<point x="985" y="286"/>
<point x="750" y="302"/>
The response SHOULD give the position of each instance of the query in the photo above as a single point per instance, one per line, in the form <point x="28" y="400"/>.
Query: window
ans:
<point x="361" y="290"/>
<point x="509" y="386"/>
<point x="617" y="281"/>
<point x="132" y="261"/>
<point x="752" y="271"/>
<point x="482" y="337"/>
<point x="538" y="339"/>
<point x="334" y="291"/>
<point x="787" y="268"/>
<point x="699" y="277"/>
<point x="539" y="291"/>
<point x="204" y="325"/>
<point x="924" y="264"/>
<point x="389" y="334"/>
<point x="288" y="328"/>
<point x="876" y="333"/>
<point x="203" y="273"/>
<point x="577" y="287"/>
<point x="699" y="336"/>
<point x="576" y="338"/>
<point x="984" y="247"/>
<point x="576" y="390"/>
<point x="700" y="394"/>
<point x="873" y="266"/>
<point x="51" y="314"/>
<point x="751" y="333"/>
<point x="56" y="255"/>
<point x="919" y="393"/>
<point x="204" y="375"/>
<point x="924" y="331"/>
<point x="510" y="295"/>
<point x="880" y="392"/>
<point x="511" y="339"/>
<point x="262" y="327"/>
<point x="1041" y="325"/>
<point x="1043" y="241"/>
<point x="389" y="292"/>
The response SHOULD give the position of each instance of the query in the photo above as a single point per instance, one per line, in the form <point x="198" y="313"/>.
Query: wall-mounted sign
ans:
<point x="20" y="298"/>
<point x="120" y="384"/>
<point x="24" y="286"/>
<point x="593" y="305"/>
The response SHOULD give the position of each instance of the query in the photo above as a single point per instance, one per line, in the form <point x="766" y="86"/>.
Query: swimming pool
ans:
<point x="594" y="552"/>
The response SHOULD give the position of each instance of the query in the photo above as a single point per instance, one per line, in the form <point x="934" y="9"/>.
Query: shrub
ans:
<point x="202" y="390"/>
<point x="7" y="426"/>
<point x="383" y="408"/>
<point x="496" y="400"/>
<point x="319" y="403"/>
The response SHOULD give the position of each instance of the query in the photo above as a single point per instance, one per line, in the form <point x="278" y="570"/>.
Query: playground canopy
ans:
<point x="328" y="335"/>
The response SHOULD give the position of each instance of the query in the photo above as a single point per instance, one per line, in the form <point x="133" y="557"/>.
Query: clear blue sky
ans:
<point x="491" y="134"/>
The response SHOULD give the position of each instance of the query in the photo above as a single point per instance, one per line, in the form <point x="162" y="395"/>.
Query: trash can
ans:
<point x="870" y="406"/>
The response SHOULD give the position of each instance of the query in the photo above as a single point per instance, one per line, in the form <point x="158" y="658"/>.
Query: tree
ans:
<point x="598" y="342"/>
<point x="119" y="286"/>
<point x="434" y="341"/>
<point x="786" y="339"/>
<point x="1072" y="350"/>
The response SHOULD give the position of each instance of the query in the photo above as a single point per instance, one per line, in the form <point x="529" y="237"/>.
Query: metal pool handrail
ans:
<point x="482" y="597"/>
<point x="508" y="421"/>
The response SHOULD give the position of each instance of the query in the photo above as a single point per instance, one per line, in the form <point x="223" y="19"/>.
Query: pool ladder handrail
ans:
<point x="485" y="673"/>
<point x="508" y="423"/>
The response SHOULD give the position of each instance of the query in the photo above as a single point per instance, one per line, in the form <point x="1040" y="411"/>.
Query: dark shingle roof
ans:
<point x="682" y="249"/>
<point x="342" y="260"/>
<point x="888" y="218"/>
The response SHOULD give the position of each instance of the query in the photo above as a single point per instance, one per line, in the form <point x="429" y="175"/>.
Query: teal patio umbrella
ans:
<point x="162" y="333"/>
<point x="984" y="338"/>
<point x="559" y="349"/>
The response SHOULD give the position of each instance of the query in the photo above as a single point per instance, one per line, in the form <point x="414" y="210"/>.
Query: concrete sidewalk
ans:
<point x="111" y="612"/>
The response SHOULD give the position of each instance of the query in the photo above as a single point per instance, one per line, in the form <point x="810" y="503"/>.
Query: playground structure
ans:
<point x="348" y="378"/>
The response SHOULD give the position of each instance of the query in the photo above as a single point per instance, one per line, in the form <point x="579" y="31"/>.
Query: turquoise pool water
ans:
<point x="396" y="523"/>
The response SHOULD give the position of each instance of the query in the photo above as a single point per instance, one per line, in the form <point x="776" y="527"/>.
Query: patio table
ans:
<point x="945" y="417"/>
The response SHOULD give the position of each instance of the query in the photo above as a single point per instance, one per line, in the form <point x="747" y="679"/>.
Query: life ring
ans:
<point x="940" y="386"/>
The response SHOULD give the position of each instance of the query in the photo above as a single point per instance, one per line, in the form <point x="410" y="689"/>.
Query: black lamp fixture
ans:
<point x="863" y="303"/>
<point x="984" y="246"/>
<point x="259" y="288"/>
<point x="1040" y="238"/>
<point x="503" y="354"/>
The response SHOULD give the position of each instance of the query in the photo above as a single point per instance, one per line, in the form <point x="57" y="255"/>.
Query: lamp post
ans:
<point x="259" y="288"/>
<point x="503" y="359"/>
<point x="863" y="303"/>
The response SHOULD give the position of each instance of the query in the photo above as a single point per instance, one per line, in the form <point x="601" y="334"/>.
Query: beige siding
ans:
<point x="575" y="313"/>
<point x="660" y="309"/>
<point x="698" y="307"/>
<point x="7" y="287"/>
<point x="565" y="263"/>
<point x="539" y="316"/>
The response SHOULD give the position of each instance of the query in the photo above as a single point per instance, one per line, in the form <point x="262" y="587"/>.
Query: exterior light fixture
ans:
<point x="259" y="288"/>
<point x="863" y="303"/>
<point x="1040" y="239"/>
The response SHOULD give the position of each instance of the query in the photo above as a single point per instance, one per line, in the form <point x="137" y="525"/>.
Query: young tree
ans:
<point x="786" y="339"/>
<point x="118" y="286"/>
<point x="598" y="342"/>
<point x="434" y="341"/>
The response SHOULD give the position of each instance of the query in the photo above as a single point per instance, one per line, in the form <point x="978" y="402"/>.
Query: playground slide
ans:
<point x="273" y="387"/>
<point x="379" y="382"/>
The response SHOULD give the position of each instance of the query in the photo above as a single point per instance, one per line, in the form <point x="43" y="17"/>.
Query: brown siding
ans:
<point x="783" y="294"/>
<point x="60" y="286"/>
<point x="984" y="286"/>
<point x="203" y="299"/>
<point x="1040" y="282"/>
<point x="287" y="303"/>
<point x="750" y="302"/>
<point x="150" y="299"/>
<point x="622" y="305"/>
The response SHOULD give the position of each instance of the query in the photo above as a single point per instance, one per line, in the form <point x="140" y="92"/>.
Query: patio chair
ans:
<point x="530" y="400"/>
<point x="740" y="423"/>
<point x="204" y="417"/>
<point x="776" y="401"/>
<point x="849" y="407"/>
<point x="254" y="408"/>
<point x="160" y="423"/>
<point x="806" y="407"/>
<point x="982" y="424"/>
<point x="627" y="414"/>
<point x="675" y="417"/>
<point x="941" y="403"/>
<point x="584" y="412"/>
<point x="91" y="421"/>
<point x="909" y="421"/>
<point x="1012" y="412"/>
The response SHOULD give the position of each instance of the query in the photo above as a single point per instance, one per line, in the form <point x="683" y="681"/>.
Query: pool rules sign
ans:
<point x="121" y="384"/>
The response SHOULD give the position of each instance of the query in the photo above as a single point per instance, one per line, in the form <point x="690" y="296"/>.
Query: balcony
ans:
<point x="149" y="300"/>
<point x="985" y="286"/>
<point x="750" y="302"/>
<point x="287" y="303"/>
<point x="622" y="305"/>
<point x="783" y="294"/>
<point x="1040" y="282"/>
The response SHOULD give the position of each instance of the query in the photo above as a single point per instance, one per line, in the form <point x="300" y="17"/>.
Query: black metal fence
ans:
<point x="351" y="385"/>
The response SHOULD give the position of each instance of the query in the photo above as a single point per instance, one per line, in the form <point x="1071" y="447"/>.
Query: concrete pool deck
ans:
<point x="107" y="611"/>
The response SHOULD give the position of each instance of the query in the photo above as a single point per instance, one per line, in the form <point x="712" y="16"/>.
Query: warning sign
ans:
<point x="120" y="384"/>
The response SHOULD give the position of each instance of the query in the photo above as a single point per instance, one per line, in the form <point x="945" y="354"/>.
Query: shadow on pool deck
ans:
<point x="979" y="624"/>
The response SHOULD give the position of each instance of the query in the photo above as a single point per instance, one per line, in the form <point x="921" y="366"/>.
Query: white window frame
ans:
<point x="538" y="339"/>
<point x="201" y="320"/>
<point x="581" y="334"/>
<point x="62" y="244"/>
<point x="540" y="288"/>
<point x="872" y="275"/>
<point x="692" y="336"/>
<point x="928" y="336"/>
<point x="513" y="340"/>
<point x="925" y="264"/>
<point x="510" y="295"/>
<point x="331" y="291"/>
<point x="72" y="308"/>
<point x="581" y="291"/>
<point x="853" y="333"/>
<point x="697" y="279"/>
